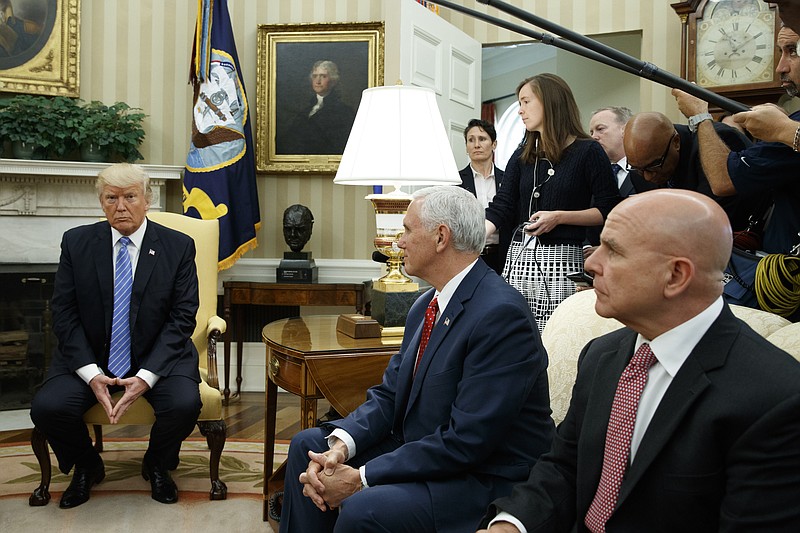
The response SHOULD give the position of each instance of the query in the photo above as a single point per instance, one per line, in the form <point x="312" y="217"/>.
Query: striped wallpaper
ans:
<point x="138" y="52"/>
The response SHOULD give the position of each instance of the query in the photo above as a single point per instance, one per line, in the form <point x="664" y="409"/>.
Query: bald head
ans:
<point x="684" y="223"/>
<point x="652" y="146"/>
<point x="661" y="259"/>
<point x="645" y="129"/>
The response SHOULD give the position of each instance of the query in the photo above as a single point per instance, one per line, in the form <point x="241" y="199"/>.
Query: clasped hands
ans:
<point x="328" y="481"/>
<point x="134" y="387"/>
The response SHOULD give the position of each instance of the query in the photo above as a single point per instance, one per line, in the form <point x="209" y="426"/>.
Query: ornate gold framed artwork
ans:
<point x="40" y="46"/>
<point x="310" y="80"/>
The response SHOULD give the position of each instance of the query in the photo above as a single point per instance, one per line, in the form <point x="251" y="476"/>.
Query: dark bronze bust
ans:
<point x="297" y="225"/>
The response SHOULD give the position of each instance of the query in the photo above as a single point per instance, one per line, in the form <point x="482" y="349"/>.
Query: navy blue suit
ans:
<point x="462" y="431"/>
<point x="164" y="303"/>
<point x="720" y="453"/>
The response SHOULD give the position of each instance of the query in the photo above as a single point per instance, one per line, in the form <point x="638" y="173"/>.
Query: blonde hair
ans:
<point x="124" y="175"/>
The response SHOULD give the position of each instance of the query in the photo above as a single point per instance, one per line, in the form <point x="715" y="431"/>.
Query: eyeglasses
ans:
<point x="657" y="164"/>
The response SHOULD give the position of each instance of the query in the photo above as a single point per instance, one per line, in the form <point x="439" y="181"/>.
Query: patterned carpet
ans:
<point x="122" y="501"/>
<point x="241" y="468"/>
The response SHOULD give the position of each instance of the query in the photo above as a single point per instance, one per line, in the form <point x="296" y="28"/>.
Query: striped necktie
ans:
<point x="119" y="356"/>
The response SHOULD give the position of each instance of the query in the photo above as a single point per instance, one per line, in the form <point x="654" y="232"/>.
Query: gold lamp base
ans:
<point x="394" y="292"/>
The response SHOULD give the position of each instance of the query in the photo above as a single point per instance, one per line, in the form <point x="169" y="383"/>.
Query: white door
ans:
<point x="436" y="54"/>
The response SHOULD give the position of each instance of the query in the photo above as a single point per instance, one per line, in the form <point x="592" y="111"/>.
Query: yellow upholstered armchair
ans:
<point x="209" y="328"/>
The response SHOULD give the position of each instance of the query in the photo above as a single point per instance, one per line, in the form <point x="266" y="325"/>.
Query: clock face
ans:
<point x="734" y="50"/>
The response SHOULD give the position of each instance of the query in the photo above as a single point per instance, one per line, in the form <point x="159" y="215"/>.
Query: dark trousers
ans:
<point x="399" y="507"/>
<point x="57" y="411"/>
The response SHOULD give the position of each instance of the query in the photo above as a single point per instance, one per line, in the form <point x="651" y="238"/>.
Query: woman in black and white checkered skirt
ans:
<point x="558" y="182"/>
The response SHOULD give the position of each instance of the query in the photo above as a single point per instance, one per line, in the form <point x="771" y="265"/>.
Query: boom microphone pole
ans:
<point x="545" y="38"/>
<point x="643" y="69"/>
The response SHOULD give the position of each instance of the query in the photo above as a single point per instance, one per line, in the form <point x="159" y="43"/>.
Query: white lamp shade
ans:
<point x="398" y="138"/>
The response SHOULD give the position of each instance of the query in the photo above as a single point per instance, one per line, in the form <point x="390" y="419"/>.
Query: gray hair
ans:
<point x="457" y="209"/>
<point x="124" y="175"/>
<point x="329" y="66"/>
<point x="622" y="114"/>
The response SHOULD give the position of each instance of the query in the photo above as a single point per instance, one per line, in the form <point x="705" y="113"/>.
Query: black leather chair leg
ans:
<point x="98" y="438"/>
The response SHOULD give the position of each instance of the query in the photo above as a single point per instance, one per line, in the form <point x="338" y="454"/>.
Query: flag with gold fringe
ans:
<point x="220" y="177"/>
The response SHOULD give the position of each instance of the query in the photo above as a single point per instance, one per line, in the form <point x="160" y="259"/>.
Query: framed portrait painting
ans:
<point x="40" y="46"/>
<point x="310" y="80"/>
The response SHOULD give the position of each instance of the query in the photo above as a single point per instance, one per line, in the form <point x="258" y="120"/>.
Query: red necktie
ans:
<point x="430" y="319"/>
<point x="618" y="438"/>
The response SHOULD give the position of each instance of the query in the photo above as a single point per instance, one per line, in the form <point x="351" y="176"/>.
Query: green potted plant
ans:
<point x="39" y="126"/>
<point x="110" y="132"/>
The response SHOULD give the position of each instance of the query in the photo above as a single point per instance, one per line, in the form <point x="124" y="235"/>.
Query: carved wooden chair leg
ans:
<point x="215" y="432"/>
<point x="98" y="438"/>
<point x="41" y="495"/>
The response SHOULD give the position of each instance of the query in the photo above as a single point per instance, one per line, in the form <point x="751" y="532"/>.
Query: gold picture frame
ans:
<point x="40" y="47"/>
<point x="292" y="136"/>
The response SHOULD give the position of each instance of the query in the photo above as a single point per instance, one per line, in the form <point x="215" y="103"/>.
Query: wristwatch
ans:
<point x="695" y="120"/>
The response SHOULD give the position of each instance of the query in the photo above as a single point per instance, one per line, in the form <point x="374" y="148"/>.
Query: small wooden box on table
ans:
<point x="308" y="357"/>
<point x="239" y="293"/>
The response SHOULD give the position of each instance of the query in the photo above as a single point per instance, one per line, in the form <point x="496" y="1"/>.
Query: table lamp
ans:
<point x="398" y="138"/>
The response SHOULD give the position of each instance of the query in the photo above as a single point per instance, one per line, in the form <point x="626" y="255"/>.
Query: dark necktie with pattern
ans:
<point x="618" y="438"/>
<point x="427" y="327"/>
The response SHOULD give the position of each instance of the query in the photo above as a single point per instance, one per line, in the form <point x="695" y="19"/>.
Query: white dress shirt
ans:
<point x="485" y="189"/>
<point x="623" y="171"/>
<point x="671" y="349"/>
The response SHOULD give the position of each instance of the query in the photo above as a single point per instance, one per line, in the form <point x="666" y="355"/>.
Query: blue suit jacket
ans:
<point x="721" y="452"/>
<point x="477" y="414"/>
<point x="164" y="302"/>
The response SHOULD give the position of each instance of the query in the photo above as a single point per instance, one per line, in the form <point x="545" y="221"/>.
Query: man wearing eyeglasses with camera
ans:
<point x="667" y="155"/>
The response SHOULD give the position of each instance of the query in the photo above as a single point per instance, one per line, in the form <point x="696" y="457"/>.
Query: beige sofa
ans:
<point x="574" y="323"/>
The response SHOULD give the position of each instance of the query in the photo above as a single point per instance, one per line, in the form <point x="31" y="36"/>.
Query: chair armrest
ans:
<point x="217" y="323"/>
<point x="216" y="327"/>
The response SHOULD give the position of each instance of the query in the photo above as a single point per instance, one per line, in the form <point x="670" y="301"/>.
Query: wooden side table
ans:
<point x="308" y="357"/>
<point x="238" y="294"/>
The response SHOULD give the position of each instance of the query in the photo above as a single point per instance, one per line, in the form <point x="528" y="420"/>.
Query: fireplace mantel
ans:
<point x="39" y="200"/>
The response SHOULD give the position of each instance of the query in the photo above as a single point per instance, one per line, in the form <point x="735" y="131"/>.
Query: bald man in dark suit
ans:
<point x="711" y="442"/>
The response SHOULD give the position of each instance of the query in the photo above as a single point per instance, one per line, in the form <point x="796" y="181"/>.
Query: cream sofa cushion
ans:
<point x="574" y="323"/>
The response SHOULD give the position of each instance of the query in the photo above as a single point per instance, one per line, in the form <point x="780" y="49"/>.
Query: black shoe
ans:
<point x="163" y="488"/>
<point x="82" y="481"/>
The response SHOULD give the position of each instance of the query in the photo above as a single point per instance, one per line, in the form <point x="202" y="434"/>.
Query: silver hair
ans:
<point x="124" y="175"/>
<point x="621" y="114"/>
<point x="329" y="66"/>
<point x="457" y="209"/>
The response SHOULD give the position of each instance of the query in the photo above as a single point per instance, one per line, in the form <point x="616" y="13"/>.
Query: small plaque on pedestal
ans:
<point x="358" y="326"/>
<point x="296" y="267"/>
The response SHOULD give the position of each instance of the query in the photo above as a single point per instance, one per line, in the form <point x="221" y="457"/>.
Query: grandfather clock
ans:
<point x="728" y="46"/>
